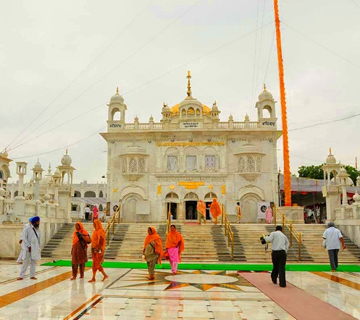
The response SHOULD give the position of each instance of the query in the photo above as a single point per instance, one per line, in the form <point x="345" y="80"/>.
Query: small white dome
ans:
<point x="57" y="173"/>
<point x="117" y="97"/>
<point x="265" y="95"/>
<point x="4" y="154"/>
<point x="330" y="159"/>
<point x="37" y="165"/>
<point x="66" y="159"/>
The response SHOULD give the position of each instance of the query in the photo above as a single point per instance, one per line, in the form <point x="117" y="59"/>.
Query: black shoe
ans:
<point x="284" y="286"/>
<point x="274" y="280"/>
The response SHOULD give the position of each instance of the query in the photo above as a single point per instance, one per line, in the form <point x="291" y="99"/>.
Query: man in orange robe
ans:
<point x="215" y="210"/>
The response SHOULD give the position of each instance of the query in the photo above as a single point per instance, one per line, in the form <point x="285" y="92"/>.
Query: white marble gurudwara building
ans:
<point x="190" y="155"/>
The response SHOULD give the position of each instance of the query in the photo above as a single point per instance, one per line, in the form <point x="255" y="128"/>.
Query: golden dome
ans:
<point x="175" y="109"/>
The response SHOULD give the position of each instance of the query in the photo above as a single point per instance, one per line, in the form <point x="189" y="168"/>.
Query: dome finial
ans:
<point x="67" y="151"/>
<point x="117" y="90"/>
<point x="264" y="87"/>
<point x="189" y="84"/>
<point x="329" y="150"/>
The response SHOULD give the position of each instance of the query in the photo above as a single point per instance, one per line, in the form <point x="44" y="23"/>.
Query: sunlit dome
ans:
<point x="175" y="109"/>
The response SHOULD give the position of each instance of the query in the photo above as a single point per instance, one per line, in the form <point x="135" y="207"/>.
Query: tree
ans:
<point x="315" y="172"/>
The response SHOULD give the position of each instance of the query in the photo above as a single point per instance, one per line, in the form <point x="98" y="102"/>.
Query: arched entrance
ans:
<point x="128" y="208"/>
<point x="191" y="200"/>
<point x="172" y="200"/>
<point x="249" y="207"/>
<point x="208" y="200"/>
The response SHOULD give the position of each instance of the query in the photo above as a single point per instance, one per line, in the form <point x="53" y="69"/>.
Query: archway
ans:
<point x="191" y="200"/>
<point x="90" y="194"/>
<point x="172" y="200"/>
<point x="208" y="200"/>
<point x="77" y="194"/>
<point x="128" y="208"/>
<point x="249" y="207"/>
<point x="101" y="194"/>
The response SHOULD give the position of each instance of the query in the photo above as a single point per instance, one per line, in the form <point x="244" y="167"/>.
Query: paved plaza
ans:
<point x="191" y="294"/>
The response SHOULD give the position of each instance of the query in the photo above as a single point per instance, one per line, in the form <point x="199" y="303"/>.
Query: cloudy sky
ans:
<point x="61" y="62"/>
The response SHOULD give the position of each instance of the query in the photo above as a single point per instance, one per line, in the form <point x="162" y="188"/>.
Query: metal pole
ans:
<point x="291" y="237"/>
<point x="299" y="246"/>
<point x="287" y="174"/>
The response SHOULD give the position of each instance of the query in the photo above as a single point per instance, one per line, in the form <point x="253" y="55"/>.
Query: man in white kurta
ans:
<point x="23" y="247"/>
<point x="32" y="243"/>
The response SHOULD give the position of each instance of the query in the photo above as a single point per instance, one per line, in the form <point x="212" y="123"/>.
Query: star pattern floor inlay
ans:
<point x="202" y="280"/>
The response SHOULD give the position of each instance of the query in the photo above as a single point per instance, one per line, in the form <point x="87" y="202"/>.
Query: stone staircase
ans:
<point x="59" y="247"/>
<point x="247" y="246"/>
<point x="206" y="243"/>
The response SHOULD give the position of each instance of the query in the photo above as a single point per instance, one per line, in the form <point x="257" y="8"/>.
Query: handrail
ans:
<point x="227" y="230"/>
<point x="289" y="225"/>
<point x="168" y="221"/>
<point x="111" y="224"/>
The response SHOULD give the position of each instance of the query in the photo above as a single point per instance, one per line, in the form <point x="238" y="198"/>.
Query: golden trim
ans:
<point x="185" y="144"/>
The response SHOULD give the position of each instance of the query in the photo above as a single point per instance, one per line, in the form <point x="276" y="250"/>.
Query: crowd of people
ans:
<point x="153" y="251"/>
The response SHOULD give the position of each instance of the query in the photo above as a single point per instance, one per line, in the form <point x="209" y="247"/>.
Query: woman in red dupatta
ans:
<point x="215" y="210"/>
<point x="174" y="247"/>
<point x="98" y="240"/>
<point x="79" y="256"/>
<point x="152" y="251"/>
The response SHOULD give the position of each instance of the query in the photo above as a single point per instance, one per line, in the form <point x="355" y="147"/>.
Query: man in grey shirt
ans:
<point x="332" y="239"/>
<point x="279" y="246"/>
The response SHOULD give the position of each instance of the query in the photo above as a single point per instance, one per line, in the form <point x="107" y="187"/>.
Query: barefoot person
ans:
<point x="31" y="240"/>
<point x="23" y="247"/>
<point x="174" y="246"/>
<point x="79" y="256"/>
<point x="152" y="251"/>
<point x="215" y="210"/>
<point x="98" y="250"/>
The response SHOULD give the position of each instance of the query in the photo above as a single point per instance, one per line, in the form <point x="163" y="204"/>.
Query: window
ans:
<point x="190" y="163"/>
<point x="241" y="164"/>
<point x="210" y="162"/>
<point x="133" y="165"/>
<point x="141" y="165"/>
<point x="250" y="164"/>
<point x="172" y="163"/>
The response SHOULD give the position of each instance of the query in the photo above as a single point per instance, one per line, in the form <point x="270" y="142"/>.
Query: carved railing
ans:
<point x="215" y="125"/>
<point x="227" y="230"/>
<point x="294" y="234"/>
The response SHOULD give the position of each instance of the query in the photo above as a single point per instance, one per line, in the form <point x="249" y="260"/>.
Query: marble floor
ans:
<point x="191" y="294"/>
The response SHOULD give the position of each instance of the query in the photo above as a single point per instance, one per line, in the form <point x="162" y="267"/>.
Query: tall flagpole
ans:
<point x="287" y="174"/>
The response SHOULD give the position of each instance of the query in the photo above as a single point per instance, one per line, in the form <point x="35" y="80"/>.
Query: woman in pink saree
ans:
<point x="268" y="215"/>
<point x="95" y="213"/>
<point x="174" y="247"/>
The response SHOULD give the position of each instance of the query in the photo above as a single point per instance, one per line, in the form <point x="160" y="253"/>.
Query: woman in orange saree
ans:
<point x="215" y="210"/>
<point x="98" y="250"/>
<point x="174" y="247"/>
<point x="79" y="256"/>
<point x="152" y="251"/>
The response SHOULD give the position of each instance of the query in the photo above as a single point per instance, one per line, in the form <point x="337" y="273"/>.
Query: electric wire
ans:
<point x="80" y="74"/>
<point x="355" y="3"/>
<point x="322" y="46"/>
<point x="261" y="36"/>
<point x="146" y="83"/>
<point x="268" y="62"/>
<point x="326" y="122"/>
<point x="255" y="51"/>
<point x="111" y="71"/>
<point x="62" y="148"/>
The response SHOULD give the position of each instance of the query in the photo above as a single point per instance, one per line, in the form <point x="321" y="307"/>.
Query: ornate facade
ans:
<point x="189" y="155"/>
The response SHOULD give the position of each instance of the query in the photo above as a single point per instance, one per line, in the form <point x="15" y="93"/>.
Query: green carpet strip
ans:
<point x="214" y="266"/>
